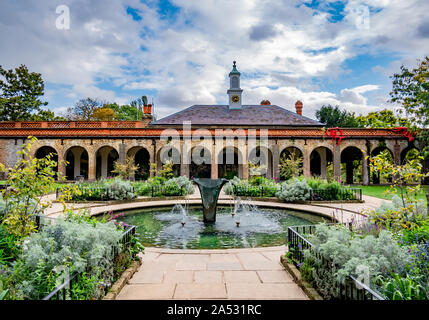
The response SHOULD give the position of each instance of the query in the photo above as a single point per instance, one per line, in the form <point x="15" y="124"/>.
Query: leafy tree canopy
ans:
<point x="411" y="89"/>
<point x="46" y="115"/>
<point x="84" y="109"/>
<point x="126" y="112"/>
<point x="105" y="113"/>
<point x="335" y="117"/>
<point x="20" y="92"/>
<point x="382" y="119"/>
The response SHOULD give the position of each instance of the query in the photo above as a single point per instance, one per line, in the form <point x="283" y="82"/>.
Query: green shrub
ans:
<point x="111" y="189"/>
<point x="397" y="287"/>
<point x="61" y="249"/>
<point x="172" y="187"/>
<point x="296" y="190"/>
<point x="119" y="190"/>
<point x="349" y="254"/>
<point x="328" y="191"/>
<point x="256" y="187"/>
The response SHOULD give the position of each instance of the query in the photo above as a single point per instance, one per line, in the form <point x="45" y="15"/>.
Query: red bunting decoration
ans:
<point x="336" y="134"/>
<point x="405" y="132"/>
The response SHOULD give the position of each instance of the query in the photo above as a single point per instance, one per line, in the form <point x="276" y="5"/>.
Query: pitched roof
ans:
<point x="248" y="115"/>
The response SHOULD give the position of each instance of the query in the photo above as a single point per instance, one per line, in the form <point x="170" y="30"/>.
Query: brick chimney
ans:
<point x="298" y="107"/>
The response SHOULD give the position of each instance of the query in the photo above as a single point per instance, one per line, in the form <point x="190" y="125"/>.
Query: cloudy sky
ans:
<point x="179" y="52"/>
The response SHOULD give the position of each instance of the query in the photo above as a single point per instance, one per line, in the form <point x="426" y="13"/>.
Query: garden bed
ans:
<point x="296" y="275"/>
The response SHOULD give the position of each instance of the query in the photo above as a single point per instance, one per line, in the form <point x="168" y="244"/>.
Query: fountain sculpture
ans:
<point x="210" y="190"/>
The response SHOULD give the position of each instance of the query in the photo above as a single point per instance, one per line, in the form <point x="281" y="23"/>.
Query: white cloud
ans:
<point x="281" y="46"/>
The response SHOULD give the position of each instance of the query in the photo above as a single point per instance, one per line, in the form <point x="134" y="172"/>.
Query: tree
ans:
<point x="290" y="166"/>
<point x="126" y="170"/>
<point x="19" y="93"/>
<point x="411" y="89"/>
<point x="83" y="109"/>
<point x="124" y="112"/>
<point x="335" y="117"/>
<point x="46" y="115"/>
<point x="104" y="114"/>
<point x="382" y="119"/>
<point x="29" y="180"/>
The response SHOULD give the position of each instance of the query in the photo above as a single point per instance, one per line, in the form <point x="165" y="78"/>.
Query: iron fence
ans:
<point x="65" y="290"/>
<point x="351" y="289"/>
<point x="336" y="194"/>
<point x="88" y="193"/>
<point x="253" y="191"/>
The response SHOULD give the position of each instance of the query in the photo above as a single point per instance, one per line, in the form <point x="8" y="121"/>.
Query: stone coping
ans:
<point x="328" y="212"/>
<point x="213" y="251"/>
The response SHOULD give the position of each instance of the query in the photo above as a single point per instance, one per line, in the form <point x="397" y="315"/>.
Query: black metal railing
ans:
<point x="65" y="290"/>
<point x="166" y="191"/>
<point x="159" y="190"/>
<point x="253" y="191"/>
<point x="338" y="194"/>
<point x="351" y="289"/>
<point x="89" y="193"/>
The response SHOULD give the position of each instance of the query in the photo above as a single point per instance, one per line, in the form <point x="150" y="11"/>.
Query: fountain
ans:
<point x="209" y="189"/>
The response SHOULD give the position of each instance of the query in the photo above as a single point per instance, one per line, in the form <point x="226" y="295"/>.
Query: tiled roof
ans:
<point x="247" y="115"/>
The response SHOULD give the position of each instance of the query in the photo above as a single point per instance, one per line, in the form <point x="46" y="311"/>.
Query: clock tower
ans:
<point x="234" y="91"/>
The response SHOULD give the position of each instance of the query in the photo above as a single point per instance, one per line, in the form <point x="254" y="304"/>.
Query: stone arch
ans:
<point x="77" y="158"/>
<point x="375" y="177"/>
<point x="230" y="162"/>
<point x="200" y="166"/>
<point x="266" y="158"/>
<point x="408" y="153"/>
<point x="141" y="157"/>
<point x="320" y="159"/>
<point x="44" y="151"/>
<point x="351" y="165"/>
<point x="169" y="153"/>
<point x="292" y="150"/>
<point x="106" y="156"/>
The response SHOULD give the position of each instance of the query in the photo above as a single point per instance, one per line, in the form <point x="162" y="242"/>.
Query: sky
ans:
<point x="179" y="52"/>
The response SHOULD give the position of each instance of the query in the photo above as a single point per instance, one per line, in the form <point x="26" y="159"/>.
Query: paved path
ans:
<point x="212" y="274"/>
<point x="216" y="274"/>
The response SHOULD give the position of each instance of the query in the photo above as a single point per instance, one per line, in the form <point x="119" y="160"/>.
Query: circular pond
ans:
<point x="240" y="227"/>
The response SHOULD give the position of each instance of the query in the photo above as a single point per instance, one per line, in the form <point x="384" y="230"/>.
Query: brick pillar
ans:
<point x="61" y="163"/>
<point x="104" y="158"/>
<point x="323" y="162"/>
<point x="337" y="161"/>
<point x="306" y="163"/>
<point x="153" y="158"/>
<point x="214" y="167"/>
<point x="245" y="166"/>
<point x="122" y="154"/>
<point x="92" y="157"/>
<point x="397" y="154"/>
<point x="185" y="158"/>
<point x="276" y="161"/>
<point x="365" y="176"/>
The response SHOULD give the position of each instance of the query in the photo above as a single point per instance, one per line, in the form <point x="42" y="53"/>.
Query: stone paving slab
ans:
<point x="147" y="291"/>
<point x="198" y="274"/>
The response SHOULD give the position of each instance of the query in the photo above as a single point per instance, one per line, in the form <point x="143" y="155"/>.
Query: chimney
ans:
<point x="298" y="107"/>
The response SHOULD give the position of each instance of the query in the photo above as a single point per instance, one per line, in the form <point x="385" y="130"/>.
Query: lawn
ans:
<point x="379" y="192"/>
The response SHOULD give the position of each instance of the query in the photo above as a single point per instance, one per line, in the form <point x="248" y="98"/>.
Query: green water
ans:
<point x="159" y="227"/>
